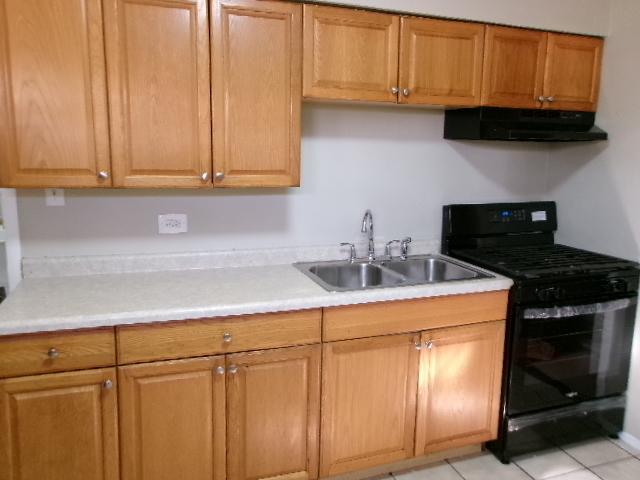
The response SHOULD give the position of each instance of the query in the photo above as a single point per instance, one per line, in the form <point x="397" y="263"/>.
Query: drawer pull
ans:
<point x="418" y="345"/>
<point x="53" y="353"/>
<point x="429" y="345"/>
<point x="220" y="370"/>
<point x="227" y="337"/>
<point x="233" y="370"/>
<point x="108" y="384"/>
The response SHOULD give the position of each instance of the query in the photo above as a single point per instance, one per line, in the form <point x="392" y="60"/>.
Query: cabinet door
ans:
<point x="273" y="405"/>
<point x="159" y="92"/>
<point x="368" y="402"/>
<point x="172" y="420"/>
<point x="59" y="427"/>
<point x="350" y="54"/>
<point x="513" y="71"/>
<point x="257" y="92"/>
<point x="53" y="99"/>
<point x="572" y="74"/>
<point x="440" y="62"/>
<point x="459" y="387"/>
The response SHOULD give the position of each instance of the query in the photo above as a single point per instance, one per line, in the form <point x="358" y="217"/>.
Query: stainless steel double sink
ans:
<point x="342" y="276"/>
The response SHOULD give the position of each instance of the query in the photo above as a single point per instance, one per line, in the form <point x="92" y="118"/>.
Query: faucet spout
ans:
<point x="367" y="227"/>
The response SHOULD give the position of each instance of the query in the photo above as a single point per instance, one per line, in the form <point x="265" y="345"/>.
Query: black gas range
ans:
<point x="569" y="327"/>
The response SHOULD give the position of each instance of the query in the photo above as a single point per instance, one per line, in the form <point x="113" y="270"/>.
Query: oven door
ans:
<point x="568" y="354"/>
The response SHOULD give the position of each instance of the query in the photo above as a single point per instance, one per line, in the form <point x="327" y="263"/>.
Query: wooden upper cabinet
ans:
<point x="273" y="414"/>
<point x="159" y="92"/>
<point x="440" y="62"/>
<point x="173" y="420"/>
<point x="514" y="62"/>
<point x="350" y="54"/>
<point x="53" y="99"/>
<point x="257" y="92"/>
<point x="572" y="73"/>
<point x="60" y="427"/>
<point x="459" y="386"/>
<point x="368" y="402"/>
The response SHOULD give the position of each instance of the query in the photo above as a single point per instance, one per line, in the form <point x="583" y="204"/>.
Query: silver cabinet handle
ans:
<point x="352" y="250"/>
<point x="233" y="370"/>
<point x="418" y="346"/>
<point x="53" y="353"/>
<point x="107" y="384"/>
<point x="551" y="99"/>
<point x="219" y="176"/>
<point x="220" y="370"/>
<point x="429" y="345"/>
<point x="406" y="92"/>
<point x="395" y="90"/>
<point x="204" y="176"/>
<point x="227" y="337"/>
<point x="103" y="175"/>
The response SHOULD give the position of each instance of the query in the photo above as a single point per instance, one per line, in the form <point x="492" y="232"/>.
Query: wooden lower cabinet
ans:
<point x="273" y="413"/>
<point x="368" y="402"/>
<point x="459" y="386"/>
<point x="60" y="426"/>
<point x="173" y="420"/>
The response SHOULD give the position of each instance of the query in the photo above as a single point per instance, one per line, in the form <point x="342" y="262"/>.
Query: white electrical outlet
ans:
<point x="172" y="223"/>
<point x="54" y="197"/>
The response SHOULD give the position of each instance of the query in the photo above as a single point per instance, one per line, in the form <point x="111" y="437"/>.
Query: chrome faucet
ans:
<point x="367" y="227"/>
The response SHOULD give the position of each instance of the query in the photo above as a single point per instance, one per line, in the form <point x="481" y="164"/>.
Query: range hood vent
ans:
<point x="521" y="125"/>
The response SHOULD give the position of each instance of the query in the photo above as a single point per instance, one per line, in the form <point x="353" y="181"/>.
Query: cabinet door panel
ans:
<point x="172" y="419"/>
<point x="368" y="402"/>
<point x="513" y="71"/>
<point x="59" y="427"/>
<point x="53" y="99"/>
<point x="350" y="54"/>
<point x="273" y="404"/>
<point x="441" y="61"/>
<point x="159" y="89"/>
<point x="572" y="74"/>
<point x="257" y="92"/>
<point x="459" y="387"/>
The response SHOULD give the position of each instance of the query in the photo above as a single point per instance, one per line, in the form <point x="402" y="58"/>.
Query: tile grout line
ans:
<point x="523" y="470"/>
<point x="455" y="469"/>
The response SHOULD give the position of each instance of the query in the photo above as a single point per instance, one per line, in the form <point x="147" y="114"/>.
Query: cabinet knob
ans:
<point x="395" y="90"/>
<point x="219" y="176"/>
<point x="406" y="92"/>
<point x="429" y="345"/>
<point x="220" y="370"/>
<point x="107" y="384"/>
<point x="233" y="370"/>
<point x="103" y="175"/>
<point x="418" y="346"/>
<point x="227" y="337"/>
<point x="542" y="99"/>
<point x="205" y="176"/>
<point x="53" y="353"/>
<point x="551" y="99"/>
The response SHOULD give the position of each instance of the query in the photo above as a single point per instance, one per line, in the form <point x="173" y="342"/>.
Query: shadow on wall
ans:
<point x="593" y="213"/>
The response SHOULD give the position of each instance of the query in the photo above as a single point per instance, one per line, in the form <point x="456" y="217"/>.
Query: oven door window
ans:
<point x="568" y="354"/>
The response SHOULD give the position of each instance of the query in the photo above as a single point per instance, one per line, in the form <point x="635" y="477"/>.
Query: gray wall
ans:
<point x="390" y="159"/>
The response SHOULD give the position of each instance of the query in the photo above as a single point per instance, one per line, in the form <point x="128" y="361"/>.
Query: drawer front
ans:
<point x="385" y="318"/>
<point x="56" y="352"/>
<point x="193" y="338"/>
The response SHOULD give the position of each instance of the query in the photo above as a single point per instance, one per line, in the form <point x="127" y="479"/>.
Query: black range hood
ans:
<point x="524" y="125"/>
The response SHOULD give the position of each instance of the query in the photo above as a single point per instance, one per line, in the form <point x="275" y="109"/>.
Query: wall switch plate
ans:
<point x="172" y="223"/>
<point x="54" y="197"/>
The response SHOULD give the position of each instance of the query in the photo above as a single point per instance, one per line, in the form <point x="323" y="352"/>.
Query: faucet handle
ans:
<point x="404" y="247"/>
<point x="387" y="248"/>
<point x="352" y="250"/>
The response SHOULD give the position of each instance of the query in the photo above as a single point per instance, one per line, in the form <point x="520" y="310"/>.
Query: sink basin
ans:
<point x="355" y="276"/>
<point x="430" y="270"/>
<point x="341" y="276"/>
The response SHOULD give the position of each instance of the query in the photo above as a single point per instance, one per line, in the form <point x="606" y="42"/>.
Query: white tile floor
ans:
<point x="598" y="459"/>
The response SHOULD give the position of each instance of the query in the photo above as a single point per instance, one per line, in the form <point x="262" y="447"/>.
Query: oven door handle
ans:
<point x="577" y="310"/>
